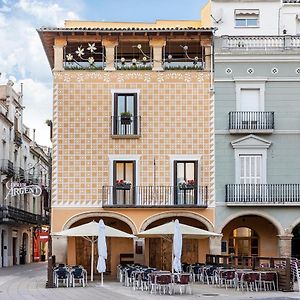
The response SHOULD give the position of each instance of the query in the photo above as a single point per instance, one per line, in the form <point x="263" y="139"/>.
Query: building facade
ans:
<point x="23" y="164"/>
<point x="257" y="129"/>
<point x="133" y="136"/>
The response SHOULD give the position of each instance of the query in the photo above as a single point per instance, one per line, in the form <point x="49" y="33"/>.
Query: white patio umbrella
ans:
<point x="167" y="231"/>
<point x="102" y="250"/>
<point x="90" y="232"/>
<point x="177" y="248"/>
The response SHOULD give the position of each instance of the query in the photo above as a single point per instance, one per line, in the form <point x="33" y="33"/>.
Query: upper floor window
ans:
<point x="125" y="118"/>
<point x="246" y="17"/>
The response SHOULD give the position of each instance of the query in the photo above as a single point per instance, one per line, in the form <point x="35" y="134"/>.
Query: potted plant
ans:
<point x="187" y="185"/>
<point x="126" y="118"/>
<point x="123" y="185"/>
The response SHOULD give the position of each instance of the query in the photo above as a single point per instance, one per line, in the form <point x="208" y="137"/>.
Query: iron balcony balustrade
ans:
<point x="126" y="126"/>
<point x="13" y="215"/>
<point x="7" y="167"/>
<point x="154" y="196"/>
<point x="251" y="121"/>
<point x="262" y="194"/>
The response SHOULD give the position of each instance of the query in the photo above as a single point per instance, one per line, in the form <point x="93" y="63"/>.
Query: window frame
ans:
<point x="238" y="15"/>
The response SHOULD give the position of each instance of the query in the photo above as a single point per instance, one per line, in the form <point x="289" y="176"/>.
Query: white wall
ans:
<point x="288" y="19"/>
<point x="268" y="19"/>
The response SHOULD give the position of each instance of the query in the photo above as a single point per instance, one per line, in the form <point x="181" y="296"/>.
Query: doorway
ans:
<point x="296" y="242"/>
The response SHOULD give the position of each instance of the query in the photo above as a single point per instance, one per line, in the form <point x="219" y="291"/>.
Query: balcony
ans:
<point x="18" y="139"/>
<point x="126" y="127"/>
<point x="154" y="197"/>
<point x="259" y="43"/>
<point x="251" y="122"/>
<point x="12" y="215"/>
<point x="262" y="194"/>
<point x="7" y="167"/>
<point x="21" y="173"/>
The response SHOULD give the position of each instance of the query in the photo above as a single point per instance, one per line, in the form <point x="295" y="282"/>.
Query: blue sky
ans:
<point x="22" y="57"/>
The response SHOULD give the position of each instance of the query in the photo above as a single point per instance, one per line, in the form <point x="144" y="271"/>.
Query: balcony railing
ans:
<point x="126" y="126"/>
<point x="267" y="194"/>
<point x="154" y="196"/>
<point x="270" y="43"/>
<point x="7" y="167"/>
<point x="12" y="215"/>
<point x="251" y="121"/>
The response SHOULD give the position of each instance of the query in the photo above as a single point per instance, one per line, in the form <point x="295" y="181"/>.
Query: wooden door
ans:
<point x="189" y="251"/>
<point x="84" y="251"/>
<point x="155" y="253"/>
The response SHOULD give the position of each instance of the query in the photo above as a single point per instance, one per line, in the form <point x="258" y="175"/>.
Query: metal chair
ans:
<point x="78" y="274"/>
<point x="184" y="282"/>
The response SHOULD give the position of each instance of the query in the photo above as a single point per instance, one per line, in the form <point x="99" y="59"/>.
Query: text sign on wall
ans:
<point x="19" y="188"/>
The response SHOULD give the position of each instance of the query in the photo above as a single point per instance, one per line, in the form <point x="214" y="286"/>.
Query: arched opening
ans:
<point x="79" y="249"/>
<point x="158" y="251"/>
<point x="250" y="235"/>
<point x="243" y="241"/>
<point x="296" y="242"/>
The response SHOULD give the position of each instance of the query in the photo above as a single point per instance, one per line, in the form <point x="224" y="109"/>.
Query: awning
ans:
<point x="247" y="12"/>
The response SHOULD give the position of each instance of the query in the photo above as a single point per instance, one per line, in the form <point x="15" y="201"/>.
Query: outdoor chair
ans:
<point x="197" y="271"/>
<point x="61" y="274"/>
<point x="184" y="282"/>
<point x="251" y="281"/>
<point x="78" y="274"/>
<point x="210" y="275"/>
<point x="297" y="268"/>
<point x="164" y="283"/>
<point x="227" y="278"/>
<point x="267" y="281"/>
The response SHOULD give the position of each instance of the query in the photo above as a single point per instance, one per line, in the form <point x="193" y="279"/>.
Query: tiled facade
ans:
<point x="176" y="118"/>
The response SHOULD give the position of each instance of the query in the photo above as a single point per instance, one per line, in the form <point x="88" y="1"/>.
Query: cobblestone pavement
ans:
<point x="27" y="282"/>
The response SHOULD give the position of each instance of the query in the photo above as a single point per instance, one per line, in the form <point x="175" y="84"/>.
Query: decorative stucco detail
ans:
<point x="251" y="141"/>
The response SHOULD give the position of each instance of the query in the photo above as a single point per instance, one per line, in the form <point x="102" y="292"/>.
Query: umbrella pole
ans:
<point x="102" y="278"/>
<point x="92" y="261"/>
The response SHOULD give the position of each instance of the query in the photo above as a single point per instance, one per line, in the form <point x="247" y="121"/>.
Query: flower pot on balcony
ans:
<point x="187" y="187"/>
<point x="124" y="186"/>
<point x="125" y="120"/>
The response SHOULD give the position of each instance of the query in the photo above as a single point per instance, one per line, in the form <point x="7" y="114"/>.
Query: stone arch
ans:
<point x="169" y="214"/>
<point x="277" y="224"/>
<point x="290" y="229"/>
<point x="90" y="214"/>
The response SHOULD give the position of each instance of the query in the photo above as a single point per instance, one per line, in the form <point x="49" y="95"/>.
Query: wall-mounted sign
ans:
<point x="20" y="188"/>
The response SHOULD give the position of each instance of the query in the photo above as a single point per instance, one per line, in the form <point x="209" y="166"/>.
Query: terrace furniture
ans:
<point x="297" y="268"/>
<point x="78" y="274"/>
<point x="267" y="280"/>
<point x="61" y="274"/>
<point x="251" y="280"/>
<point x="183" y="281"/>
<point x="227" y="278"/>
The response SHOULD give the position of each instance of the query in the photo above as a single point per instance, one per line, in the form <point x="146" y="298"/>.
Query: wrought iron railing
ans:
<point x="10" y="214"/>
<point x="123" y="126"/>
<point x="263" y="193"/>
<point x="149" y="196"/>
<point x="251" y="120"/>
<point x="7" y="167"/>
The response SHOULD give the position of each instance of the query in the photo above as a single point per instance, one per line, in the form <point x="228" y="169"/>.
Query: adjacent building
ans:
<point x="257" y="126"/>
<point x="23" y="166"/>
<point x="133" y="134"/>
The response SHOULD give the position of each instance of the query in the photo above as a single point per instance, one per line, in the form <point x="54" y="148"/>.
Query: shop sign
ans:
<point x="20" y="188"/>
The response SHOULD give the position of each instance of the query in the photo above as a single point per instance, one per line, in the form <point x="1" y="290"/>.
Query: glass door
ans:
<point x="124" y="183"/>
<point x="185" y="182"/>
<point x="125" y="114"/>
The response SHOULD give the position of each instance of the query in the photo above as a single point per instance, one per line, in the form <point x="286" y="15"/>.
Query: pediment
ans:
<point x="251" y="141"/>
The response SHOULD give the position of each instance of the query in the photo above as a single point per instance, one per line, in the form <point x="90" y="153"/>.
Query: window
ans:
<point x="246" y="17"/>
<point x="243" y="241"/>
<point x="250" y="169"/>
<point x="185" y="182"/>
<point x="125" y="119"/>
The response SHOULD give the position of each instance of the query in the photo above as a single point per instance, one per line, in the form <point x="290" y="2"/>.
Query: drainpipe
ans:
<point x="279" y="19"/>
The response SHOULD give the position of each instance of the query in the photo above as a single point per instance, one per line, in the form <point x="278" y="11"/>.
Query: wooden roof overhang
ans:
<point x="48" y="35"/>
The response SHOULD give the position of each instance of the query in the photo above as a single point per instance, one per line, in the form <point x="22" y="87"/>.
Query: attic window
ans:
<point x="246" y="17"/>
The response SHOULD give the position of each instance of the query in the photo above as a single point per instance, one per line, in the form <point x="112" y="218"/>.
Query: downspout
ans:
<point x="279" y="19"/>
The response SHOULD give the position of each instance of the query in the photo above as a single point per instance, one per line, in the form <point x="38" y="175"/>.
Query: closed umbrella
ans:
<point x="177" y="247"/>
<point x="102" y="250"/>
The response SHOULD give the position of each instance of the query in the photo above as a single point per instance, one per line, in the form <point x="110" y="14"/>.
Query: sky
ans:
<point x="22" y="58"/>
